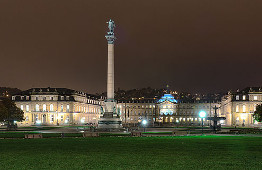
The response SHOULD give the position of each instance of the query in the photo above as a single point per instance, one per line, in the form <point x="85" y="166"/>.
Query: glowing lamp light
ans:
<point x="144" y="122"/>
<point x="202" y="114"/>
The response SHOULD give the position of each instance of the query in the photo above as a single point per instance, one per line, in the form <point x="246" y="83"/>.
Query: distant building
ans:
<point x="57" y="106"/>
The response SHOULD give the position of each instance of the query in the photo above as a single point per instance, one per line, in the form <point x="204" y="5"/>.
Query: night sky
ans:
<point x="192" y="45"/>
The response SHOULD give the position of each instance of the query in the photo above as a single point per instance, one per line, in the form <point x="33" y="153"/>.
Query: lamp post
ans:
<point x="144" y="123"/>
<point x="202" y="114"/>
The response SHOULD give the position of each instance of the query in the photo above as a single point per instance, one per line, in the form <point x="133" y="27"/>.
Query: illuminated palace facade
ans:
<point x="165" y="111"/>
<point x="57" y="106"/>
<point x="237" y="107"/>
<point x="61" y="106"/>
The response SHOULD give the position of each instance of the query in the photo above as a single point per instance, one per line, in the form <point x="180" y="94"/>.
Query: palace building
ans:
<point x="57" y="106"/>
<point x="61" y="106"/>
<point x="165" y="111"/>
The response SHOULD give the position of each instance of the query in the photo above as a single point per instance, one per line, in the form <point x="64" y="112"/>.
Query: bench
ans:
<point x="33" y="136"/>
<point x="179" y="133"/>
<point x="137" y="134"/>
<point x="90" y="134"/>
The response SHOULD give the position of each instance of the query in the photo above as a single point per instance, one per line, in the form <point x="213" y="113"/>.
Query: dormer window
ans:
<point x="244" y="97"/>
<point x="13" y="97"/>
<point x="62" y="97"/>
<point x="237" y="97"/>
<point x="27" y="97"/>
<point x="255" y="97"/>
<point x="67" y="97"/>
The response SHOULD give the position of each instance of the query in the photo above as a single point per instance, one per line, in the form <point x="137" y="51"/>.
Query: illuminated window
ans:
<point x="244" y="108"/>
<point x="255" y="97"/>
<point x="44" y="107"/>
<point x="237" y="97"/>
<point x="51" y="107"/>
<point x="67" y="108"/>
<point x="27" y="97"/>
<point x="255" y="107"/>
<point x="27" y="108"/>
<point x="37" y="107"/>
<point x="22" y="107"/>
<point x="237" y="108"/>
<point x="13" y="97"/>
<point x="62" y="107"/>
<point x="26" y="118"/>
<point x="244" y="97"/>
<point x="62" y="97"/>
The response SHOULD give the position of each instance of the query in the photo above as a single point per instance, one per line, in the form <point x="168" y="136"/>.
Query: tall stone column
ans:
<point x="110" y="120"/>
<point x="110" y="72"/>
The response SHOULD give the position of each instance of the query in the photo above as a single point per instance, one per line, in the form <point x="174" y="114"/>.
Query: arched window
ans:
<point x="44" y="107"/>
<point x="237" y="108"/>
<point x="51" y="107"/>
<point x="244" y="108"/>
<point x="37" y="107"/>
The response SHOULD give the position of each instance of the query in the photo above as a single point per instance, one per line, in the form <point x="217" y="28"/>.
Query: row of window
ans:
<point x="244" y="97"/>
<point x="44" y="98"/>
<point x="142" y="106"/>
<point x="244" y="108"/>
<point x="51" y="108"/>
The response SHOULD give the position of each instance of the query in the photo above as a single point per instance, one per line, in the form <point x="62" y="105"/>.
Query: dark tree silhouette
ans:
<point x="258" y="113"/>
<point x="9" y="113"/>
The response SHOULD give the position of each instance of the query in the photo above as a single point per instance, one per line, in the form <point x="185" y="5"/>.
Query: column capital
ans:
<point x="110" y="37"/>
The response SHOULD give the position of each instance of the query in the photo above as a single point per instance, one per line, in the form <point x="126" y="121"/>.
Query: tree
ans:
<point x="10" y="113"/>
<point x="258" y="113"/>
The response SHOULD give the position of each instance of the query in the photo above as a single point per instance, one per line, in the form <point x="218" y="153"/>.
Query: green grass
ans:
<point x="204" y="152"/>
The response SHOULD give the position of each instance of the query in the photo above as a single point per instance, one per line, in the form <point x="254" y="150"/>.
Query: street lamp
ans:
<point x="144" y="123"/>
<point x="202" y="114"/>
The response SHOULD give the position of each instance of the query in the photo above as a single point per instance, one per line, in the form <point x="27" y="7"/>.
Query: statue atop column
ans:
<point x="111" y="26"/>
<point x="110" y="34"/>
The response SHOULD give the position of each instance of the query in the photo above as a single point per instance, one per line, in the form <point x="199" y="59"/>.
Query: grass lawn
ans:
<point x="207" y="152"/>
